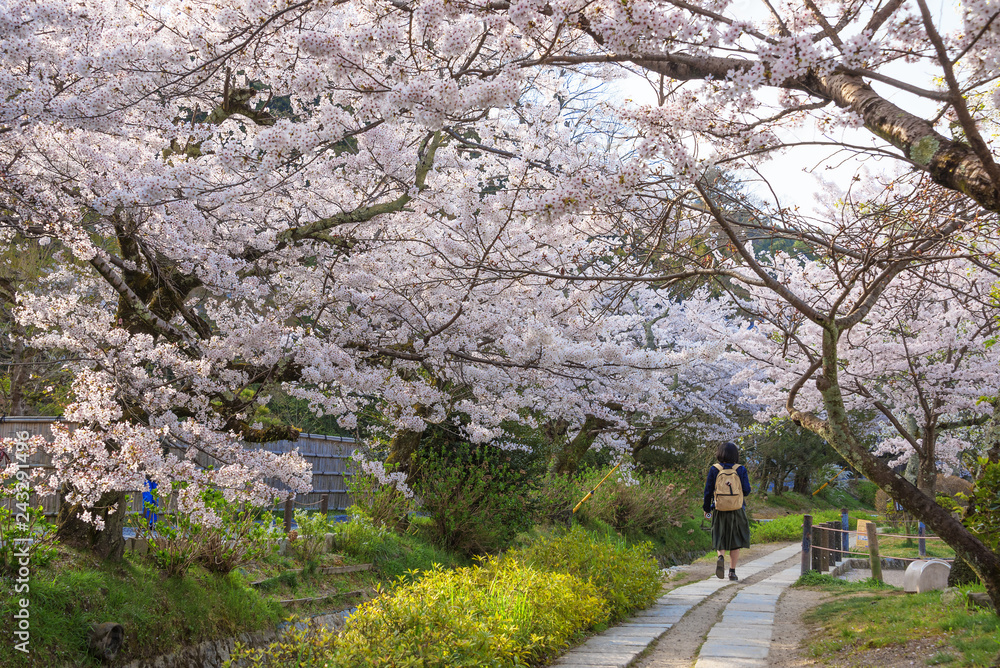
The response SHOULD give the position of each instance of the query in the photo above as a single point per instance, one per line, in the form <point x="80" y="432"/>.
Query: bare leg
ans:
<point x="734" y="557"/>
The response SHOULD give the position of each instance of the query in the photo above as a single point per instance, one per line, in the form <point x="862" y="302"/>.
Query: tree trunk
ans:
<point x="107" y="543"/>
<point x="567" y="460"/>
<point x="801" y="484"/>
<point x="403" y="450"/>
<point x="836" y="429"/>
<point x="20" y="372"/>
<point x="927" y="474"/>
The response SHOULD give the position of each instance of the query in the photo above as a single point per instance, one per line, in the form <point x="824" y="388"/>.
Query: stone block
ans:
<point x="921" y="576"/>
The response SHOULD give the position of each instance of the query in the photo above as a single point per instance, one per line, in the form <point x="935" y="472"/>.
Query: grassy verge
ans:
<point x="789" y="527"/>
<point x="873" y="617"/>
<point x="159" y="614"/>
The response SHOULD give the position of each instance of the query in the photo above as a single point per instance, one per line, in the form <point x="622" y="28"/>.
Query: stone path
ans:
<point x="752" y="611"/>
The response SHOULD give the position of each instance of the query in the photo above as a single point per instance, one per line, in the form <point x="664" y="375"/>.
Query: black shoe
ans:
<point x="732" y="575"/>
<point x="720" y="567"/>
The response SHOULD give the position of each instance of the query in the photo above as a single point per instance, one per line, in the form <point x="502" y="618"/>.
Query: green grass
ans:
<point x="158" y="614"/>
<point x="872" y="618"/>
<point x="789" y="527"/>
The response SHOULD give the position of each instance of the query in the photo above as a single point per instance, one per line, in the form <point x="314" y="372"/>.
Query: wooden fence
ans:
<point x="330" y="457"/>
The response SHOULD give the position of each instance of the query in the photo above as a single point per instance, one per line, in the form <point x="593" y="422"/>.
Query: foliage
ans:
<point x="626" y="577"/>
<point x="159" y="615"/>
<point x="640" y="504"/>
<point x="780" y="449"/>
<point x="553" y="498"/>
<point x="510" y="610"/>
<point x="384" y="504"/>
<point x="362" y="539"/>
<point x="500" y="612"/>
<point x="985" y="522"/>
<point x="310" y="536"/>
<point x="475" y="499"/>
<point x="26" y="532"/>
<point x="864" y="491"/>
<point x="237" y="534"/>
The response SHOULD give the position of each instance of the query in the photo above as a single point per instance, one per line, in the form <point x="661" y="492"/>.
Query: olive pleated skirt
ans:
<point x="730" y="530"/>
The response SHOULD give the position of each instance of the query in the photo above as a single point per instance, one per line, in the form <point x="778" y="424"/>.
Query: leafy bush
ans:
<point x="361" y="539"/>
<point x="310" y="536"/>
<point x="985" y="522"/>
<point x="553" y="498"/>
<point x="517" y="609"/>
<point x="642" y="504"/>
<point x="385" y="505"/>
<point x="239" y="535"/>
<point x="864" y="491"/>
<point x="628" y="578"/>
<point x="498" y="613"/>
<point x="16" y="526"/>
<point x="475" y="499"/>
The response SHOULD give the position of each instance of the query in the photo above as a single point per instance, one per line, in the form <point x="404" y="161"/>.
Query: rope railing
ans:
<point x="911" y="536"/>
<point x="823" y="545"/>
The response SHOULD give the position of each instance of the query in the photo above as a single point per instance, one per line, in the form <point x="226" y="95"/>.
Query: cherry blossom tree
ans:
<point x="890" y="310"/>
<point x="318" y="197"/>
<point x="924" y="359"/>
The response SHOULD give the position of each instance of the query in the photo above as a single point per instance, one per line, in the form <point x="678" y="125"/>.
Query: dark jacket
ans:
<point x="713" y="473"/>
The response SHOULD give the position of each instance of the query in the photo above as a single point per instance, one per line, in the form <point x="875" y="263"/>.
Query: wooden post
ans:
<point x="807" y="521"/>
<point x="816" y="552"/>
<point x="876" y="560"/>
<point x="289" y="512"/>
<point x="845" y="537"/>
<point x="833" y="542"/>
<point x="921" y="543"/>
<point x="324" y="504"/>
<point x="824" y="542"/>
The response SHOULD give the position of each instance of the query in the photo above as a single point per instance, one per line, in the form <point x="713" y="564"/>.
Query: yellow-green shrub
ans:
<point x="514" y="610"/>
<point x="628" y="578"/>
<point x="498" y="613"/>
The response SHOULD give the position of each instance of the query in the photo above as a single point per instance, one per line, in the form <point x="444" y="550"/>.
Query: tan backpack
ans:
<point x="728" y="489"/>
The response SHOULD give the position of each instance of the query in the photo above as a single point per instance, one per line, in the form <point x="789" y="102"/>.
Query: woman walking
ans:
<point x="726" y="489"/>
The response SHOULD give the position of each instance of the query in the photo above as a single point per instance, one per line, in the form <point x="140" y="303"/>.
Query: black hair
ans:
<point x="727" y="453"/>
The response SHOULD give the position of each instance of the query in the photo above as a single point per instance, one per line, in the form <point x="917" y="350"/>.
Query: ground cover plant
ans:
<point x="518" y="608"/>
<point x="872" y="616"/>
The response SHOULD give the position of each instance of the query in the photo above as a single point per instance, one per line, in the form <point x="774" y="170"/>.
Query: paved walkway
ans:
<point x="752" y="609"/>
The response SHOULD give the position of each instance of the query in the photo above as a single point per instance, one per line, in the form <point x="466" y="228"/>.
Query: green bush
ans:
<point x="628" y="578"/>
<point x="864" y="491"/>
<point x="553" y="498"/>
<point x="476" y="500"/>
<point x="310" y="536"/>
<point x="177" y="540"/>
<point x="517" y="609"/>
<point x="385" y="505"/>
<point x="649" y="504"/>
<point x="15" y="525"/>
<point x="498" y="613"/>
<point x="361" y="539"/>
<point x="985" y="522"/>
